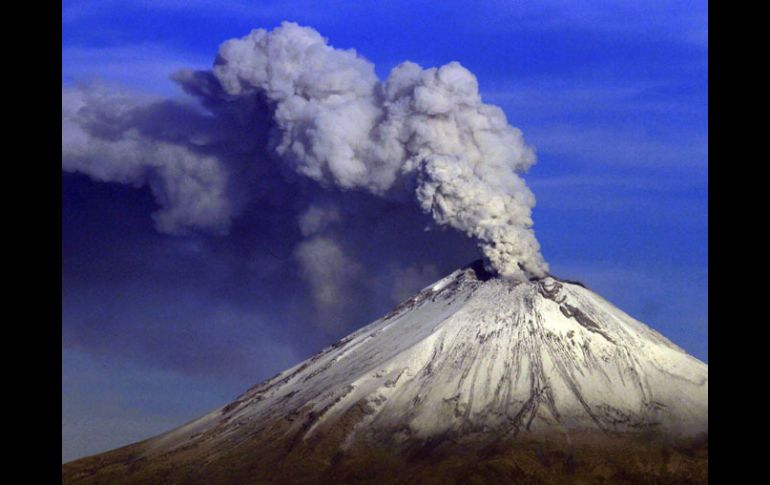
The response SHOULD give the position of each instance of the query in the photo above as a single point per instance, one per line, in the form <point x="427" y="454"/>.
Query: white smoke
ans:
<point x="189" y="186"/>
<point x="317" y="218"/>
<point x="343" y="127"/>
<point x="331" y="275"/>
<point x="408" y="280"/>
<point x="422" y="133"/>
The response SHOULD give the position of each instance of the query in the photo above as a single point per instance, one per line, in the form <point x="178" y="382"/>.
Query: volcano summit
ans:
<point x="474" y="378"/>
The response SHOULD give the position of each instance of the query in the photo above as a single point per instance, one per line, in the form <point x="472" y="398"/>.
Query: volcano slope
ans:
<point x="475" y="379"/>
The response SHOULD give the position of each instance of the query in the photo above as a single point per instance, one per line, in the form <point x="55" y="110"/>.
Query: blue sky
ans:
<point x="613" y="95"/>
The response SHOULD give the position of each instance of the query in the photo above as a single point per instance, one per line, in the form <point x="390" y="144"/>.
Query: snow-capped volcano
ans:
<point x="471" y="359"/>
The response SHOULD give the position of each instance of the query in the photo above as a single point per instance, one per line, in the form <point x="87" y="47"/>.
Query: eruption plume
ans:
<point x="421" y="133"/>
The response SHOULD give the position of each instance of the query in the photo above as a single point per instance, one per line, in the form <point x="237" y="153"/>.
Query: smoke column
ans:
<point x="420" y="134"/>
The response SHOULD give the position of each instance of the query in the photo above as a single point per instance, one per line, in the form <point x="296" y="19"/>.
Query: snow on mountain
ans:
<point x="473" y="356"/>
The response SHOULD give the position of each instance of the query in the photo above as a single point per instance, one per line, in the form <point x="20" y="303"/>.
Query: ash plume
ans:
<point x="98" y="139"/>
<point x="321" y="113"/>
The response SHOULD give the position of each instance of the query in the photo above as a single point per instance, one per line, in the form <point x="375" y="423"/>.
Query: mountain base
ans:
<point x="581" y="458"/>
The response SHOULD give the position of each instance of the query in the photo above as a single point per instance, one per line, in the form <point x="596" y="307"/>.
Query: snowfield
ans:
<point x="471" y="354"/>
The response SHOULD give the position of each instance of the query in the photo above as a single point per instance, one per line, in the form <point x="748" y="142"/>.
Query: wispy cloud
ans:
<point x="649" y="183"/>
<point x="554" y="96"/>
<point x="624" y="147"/>
<point x="143" y="66"/>
<point x="662" y="20"/>
<point x="609" y="120"/>
<point x="685" y="22"/>
<point x="76" y="10"/>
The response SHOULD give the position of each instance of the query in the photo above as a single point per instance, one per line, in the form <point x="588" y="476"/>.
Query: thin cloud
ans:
<point x="684" y="22"/>
<point x="551" y="97"/>
<point x="620" y="147"/>
<point x="141" y="66"/>
<point x="78" y="10"/>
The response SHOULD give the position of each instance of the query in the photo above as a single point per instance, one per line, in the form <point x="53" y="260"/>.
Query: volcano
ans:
<point x="476" y="379"/>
